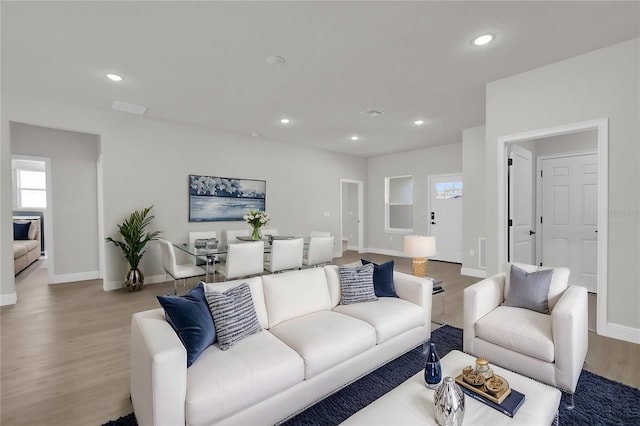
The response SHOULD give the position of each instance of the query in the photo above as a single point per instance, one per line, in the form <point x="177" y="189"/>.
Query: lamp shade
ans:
<point x="419" y="246"/>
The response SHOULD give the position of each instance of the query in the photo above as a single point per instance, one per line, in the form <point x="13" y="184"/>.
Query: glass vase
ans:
<point x="255" y="233"/>
<point x="432" y="370"/>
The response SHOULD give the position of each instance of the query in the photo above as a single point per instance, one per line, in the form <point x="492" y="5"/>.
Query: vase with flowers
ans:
<point x="257" y="219"/>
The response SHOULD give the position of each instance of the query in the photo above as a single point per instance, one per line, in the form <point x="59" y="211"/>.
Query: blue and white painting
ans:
<point x="220" y="199"/>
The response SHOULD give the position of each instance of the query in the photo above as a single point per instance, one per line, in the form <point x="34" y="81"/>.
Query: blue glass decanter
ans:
<point x="433" y="370"/>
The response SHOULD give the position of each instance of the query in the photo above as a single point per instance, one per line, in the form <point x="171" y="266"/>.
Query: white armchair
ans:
<point x="549" y="348"/>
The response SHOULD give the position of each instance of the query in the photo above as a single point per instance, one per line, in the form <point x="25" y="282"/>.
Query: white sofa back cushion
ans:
<point x="333" y="281"/>
<point x="559" y="280"/>
<point x="294" y="294"/>
<point x="257" y="295"/>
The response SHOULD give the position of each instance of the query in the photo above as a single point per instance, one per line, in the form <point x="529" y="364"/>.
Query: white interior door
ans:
<point x="522" y="214"/>
<point x="570" y="217"/>
<point x="445" y="220"/>
<point x="351" y="211"/>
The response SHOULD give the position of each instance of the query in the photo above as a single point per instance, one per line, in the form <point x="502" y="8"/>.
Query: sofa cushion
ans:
<point x="233" y="315"/>
<point x="357" y="284"/>
<point x="389" y="316"/>
<point x="529" y="290"/>
<point x="222" y="383"/>
<point x="19" y="250"/>
<point x="383" y="279"/>
<point x="559" y="280"/>
<point x="325" y="339"/>
<point x="21" y="230"/>
<point x="520" y="330"/>
<point x="190" y="318"/>
<point x="257" y="294"/>
<point x="294" y="294"/>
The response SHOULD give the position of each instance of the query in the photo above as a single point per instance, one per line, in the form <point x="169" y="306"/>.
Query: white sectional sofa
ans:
<point x="310" y="346"/>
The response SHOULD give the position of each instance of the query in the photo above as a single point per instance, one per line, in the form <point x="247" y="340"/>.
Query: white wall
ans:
<point x="473" y="206"/>
<point x="74" y="187"/>
<point x="443" y="159"/>
<point x="147" y="162"/>
<point x="600" y="84"/>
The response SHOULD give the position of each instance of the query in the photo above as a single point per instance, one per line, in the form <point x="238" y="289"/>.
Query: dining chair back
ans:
<point x="243" y="259"/>
<point x="320" y="234"/>
<point x="285" y="254"/>
<point x="320" y="251"/>
<point x="201" y="235"/>
<point x="175" y="270"/>
<point x="229" y="236"/>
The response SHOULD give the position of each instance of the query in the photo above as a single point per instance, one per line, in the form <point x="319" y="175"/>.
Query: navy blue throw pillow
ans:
<point x="383" y="279"/>
<point x="21" y="231"/>
<point x="190" y="317"/>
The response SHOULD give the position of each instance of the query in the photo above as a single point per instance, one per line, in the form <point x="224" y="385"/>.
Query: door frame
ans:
<point x="429" y="186"/>
<point x="602" y="127"/>
<point x="360" y="185"/>
<point x="539" y="161"/>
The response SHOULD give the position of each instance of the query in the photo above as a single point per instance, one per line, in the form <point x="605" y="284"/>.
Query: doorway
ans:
<point x="445" y="216"/>
<point x="597" y="193"/>
<point x="351" y="215"/>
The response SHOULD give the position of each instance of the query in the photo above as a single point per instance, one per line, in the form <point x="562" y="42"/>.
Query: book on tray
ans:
<point x="509" y="406"/>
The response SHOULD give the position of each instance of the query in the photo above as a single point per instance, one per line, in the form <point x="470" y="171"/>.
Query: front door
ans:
<point x="570" y="217"/>
<point x="445" y="216"/>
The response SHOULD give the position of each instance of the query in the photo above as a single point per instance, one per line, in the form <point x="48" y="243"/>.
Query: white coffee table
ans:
<point x="411" y="403"/>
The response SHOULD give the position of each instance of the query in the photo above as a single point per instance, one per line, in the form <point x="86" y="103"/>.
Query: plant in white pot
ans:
<point x="134" y="241"/>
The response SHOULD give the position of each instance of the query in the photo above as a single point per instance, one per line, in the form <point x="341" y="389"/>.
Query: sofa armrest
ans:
<point x="158" y="370"/>
<point x="415" y="290"/>
<point x="569" y="325"/>
<point x="480" y="299"/>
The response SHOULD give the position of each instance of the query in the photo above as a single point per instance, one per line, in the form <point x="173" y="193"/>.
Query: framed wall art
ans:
<point x="221" y="199"/>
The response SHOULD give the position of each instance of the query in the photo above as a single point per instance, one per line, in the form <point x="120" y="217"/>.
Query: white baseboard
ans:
<point x="623" y="332"/>
<point x="354" y="248"/>
<point x="151" y="279"/>
<point x="470" y="272"/>
<point x="384" y="251"/>
<point x="8" y="299"/>
<point x="78" y="276"/>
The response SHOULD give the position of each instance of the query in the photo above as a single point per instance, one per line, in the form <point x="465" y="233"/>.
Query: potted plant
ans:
<point x="134" y="241"/>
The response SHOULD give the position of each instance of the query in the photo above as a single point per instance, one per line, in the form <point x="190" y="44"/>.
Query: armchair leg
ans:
<point x="569" y="401"/>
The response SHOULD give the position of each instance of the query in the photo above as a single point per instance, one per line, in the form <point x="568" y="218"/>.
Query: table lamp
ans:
<point x="419" y="247"/>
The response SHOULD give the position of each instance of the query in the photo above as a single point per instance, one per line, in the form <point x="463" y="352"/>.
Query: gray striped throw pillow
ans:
<point x="356" y="284"/>
<point x="233" y="314"/>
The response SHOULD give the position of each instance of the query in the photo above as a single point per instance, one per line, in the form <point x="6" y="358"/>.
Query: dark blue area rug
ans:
<point x="598" y="401"/>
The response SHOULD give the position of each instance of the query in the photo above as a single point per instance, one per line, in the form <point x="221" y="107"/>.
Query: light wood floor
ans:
<point x="65" y="348"/>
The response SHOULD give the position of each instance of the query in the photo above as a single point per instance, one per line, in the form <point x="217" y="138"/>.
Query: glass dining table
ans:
<point x="210" y="255"/>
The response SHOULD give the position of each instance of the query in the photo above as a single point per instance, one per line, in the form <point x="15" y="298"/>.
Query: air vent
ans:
<point x="372" y="112"/>
<point x="130" y="108"/>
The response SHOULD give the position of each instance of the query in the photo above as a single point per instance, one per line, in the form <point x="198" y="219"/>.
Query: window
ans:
<point x="448" y="190"/>
<point x="31" y="184"/>
<point x="399" y="204"/>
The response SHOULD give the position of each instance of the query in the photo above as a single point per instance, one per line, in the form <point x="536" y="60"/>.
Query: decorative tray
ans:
<point x="498" y="398"/>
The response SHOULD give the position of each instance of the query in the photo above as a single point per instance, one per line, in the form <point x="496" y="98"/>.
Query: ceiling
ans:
<point x="204" y="63"/>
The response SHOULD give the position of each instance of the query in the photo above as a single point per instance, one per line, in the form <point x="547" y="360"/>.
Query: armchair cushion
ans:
<point x="519" y="330"/>
<point x="529" y="290"/>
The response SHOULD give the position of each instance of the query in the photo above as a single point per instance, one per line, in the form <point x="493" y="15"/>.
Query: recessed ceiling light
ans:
<point x="276" y="60"/>
<point x="285" y="120"/>
<point x="483" y="39"/>
<point x="114" y="77"/>
<point x="354" y="138"/>
<point x="256" y="134"/>
<point x="418" y="122"/>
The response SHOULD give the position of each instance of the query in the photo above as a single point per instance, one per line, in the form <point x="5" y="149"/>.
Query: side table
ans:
<point x="438" y="289"/>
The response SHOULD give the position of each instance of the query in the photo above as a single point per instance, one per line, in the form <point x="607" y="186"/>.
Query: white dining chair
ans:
<point x="229" y="236"/>
<point x="320" y="234"/>
<point x="285" y="254"/>
<point x="320" y="251"/>
<point x="175" y="270"/>
<point x="243" y="259"/>
<point x="201" y="235"/>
